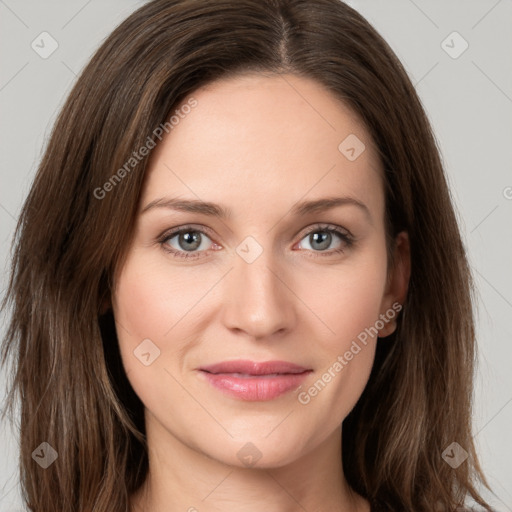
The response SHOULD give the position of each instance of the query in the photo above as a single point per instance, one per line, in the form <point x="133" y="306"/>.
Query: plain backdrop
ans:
<point x="467" y="93"/>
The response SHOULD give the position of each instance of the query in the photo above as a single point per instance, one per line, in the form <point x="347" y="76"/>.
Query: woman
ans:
<point x="251" y="369"/>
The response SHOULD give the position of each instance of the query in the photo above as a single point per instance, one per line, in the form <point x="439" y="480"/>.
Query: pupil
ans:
<point x="191" y="239"/>
<point x="323" y="237"/>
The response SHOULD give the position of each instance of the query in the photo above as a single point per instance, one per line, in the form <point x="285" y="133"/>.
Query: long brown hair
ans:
<point x="68" y="376"/>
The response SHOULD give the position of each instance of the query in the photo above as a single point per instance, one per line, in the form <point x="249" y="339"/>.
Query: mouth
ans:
<point x="254" y="381"/>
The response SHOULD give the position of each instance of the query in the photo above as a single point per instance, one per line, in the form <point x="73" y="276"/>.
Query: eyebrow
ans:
<point x="216" y="210"/>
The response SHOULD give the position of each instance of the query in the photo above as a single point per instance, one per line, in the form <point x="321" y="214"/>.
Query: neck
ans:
<point x="181" y="479"/>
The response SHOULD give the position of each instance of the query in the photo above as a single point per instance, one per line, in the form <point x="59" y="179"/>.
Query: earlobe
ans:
<point x="398" y="283"/>
<point x="388" y="329"/>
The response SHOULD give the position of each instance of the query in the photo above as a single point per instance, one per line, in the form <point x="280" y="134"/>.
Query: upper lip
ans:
<point x="254" y="368"/>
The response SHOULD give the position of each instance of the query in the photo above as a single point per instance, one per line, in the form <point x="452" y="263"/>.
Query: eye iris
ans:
<point x="315" y="237"/>
<point x="194" y="239"/>
<point x="191" y="240"/>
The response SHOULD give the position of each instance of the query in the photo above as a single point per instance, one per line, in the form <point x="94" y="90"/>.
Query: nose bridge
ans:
<point x="259" y="302"/>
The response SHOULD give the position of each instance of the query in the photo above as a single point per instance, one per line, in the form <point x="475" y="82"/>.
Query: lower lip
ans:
<point x="256" y="388"/>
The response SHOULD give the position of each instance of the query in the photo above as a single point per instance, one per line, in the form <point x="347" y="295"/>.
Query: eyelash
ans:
<point x="346" y="238"/>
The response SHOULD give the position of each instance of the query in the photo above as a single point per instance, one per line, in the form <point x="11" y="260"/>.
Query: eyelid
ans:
<point x="319" y="226"/>
<point x="187" y="227"/>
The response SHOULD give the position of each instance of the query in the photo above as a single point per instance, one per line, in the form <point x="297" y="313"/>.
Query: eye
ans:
<point x="191" y="242"/>
<point x="321" y="237"/>
<point x="186" y="242"/>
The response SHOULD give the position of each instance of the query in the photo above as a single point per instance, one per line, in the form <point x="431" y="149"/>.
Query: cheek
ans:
<point x="149" y="306"/>
<point x="348" y="305"/>
<point x="150" y="302"/>
<point x="153" y="301"/>
<point x="347" y="298"/>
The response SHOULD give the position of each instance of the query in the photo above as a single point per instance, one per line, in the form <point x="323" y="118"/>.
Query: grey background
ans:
<point x="468" y="100"/>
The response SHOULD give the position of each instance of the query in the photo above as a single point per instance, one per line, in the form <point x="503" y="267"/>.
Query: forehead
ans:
<point x="260" y="140"/>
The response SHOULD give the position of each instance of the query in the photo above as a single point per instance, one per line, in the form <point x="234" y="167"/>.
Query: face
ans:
<point x="253" y="318"/>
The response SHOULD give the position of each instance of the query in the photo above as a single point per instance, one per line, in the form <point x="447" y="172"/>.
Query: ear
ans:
<point x="105" y="305"/>
<point x="397" y="283"/>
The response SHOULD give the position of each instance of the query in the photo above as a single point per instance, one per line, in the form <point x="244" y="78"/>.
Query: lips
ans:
<point x="253" y="381"/>
<point x="253" y="368"/>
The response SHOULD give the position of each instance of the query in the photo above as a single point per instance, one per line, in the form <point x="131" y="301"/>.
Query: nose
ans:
<point x="259" y="301"/>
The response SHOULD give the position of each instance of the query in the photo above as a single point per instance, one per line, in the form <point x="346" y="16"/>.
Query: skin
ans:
<point x="257" y="145"/>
